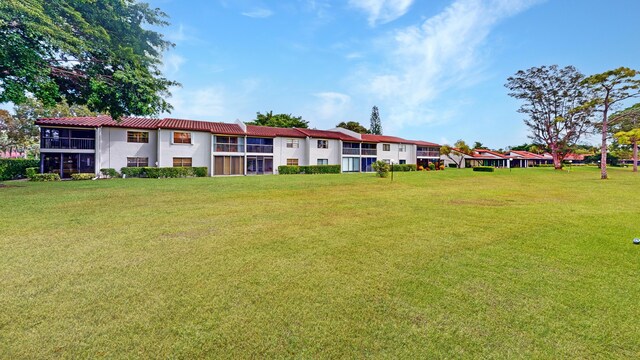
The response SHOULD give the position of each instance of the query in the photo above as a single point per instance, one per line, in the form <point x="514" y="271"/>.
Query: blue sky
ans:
<point x="435" y="68"/>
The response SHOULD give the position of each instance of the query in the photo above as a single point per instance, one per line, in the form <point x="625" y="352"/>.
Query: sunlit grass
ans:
<point x="528" y="263"/>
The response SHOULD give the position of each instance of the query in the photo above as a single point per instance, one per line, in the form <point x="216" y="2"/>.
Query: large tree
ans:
<point x="102" y="53"/>
<point x="552" y="97"/>
<point x="376" y="123"/>
<point x="353" y="126"/>
<point x="279" y="120"/>
<point x="626" y="129"/>
<point x="456" y="152"/>
<point x="609" y="89"/>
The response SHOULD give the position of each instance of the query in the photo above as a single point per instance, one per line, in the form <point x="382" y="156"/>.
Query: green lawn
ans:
<point x="529" y="263"/>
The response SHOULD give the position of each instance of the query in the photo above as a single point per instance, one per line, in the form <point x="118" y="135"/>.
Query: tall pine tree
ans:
<point x="376" y="125"/>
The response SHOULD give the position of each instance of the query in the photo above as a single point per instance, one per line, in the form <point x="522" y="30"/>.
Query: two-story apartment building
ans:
<point x="88" y="144"/>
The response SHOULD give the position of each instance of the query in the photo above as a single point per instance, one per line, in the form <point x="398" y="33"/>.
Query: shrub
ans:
<point x="82" y="176"/>
<point x="200" y="171"/>
<point x="16" y="168"/>
<point x="109" y="172"/>
<point x="45" y="177"/>
<point x="484" y="169"/>
<point x="31" y="172"/>
<point x="404" y="167"/>
<point x="308" y="169"/>
<point x="441" y="167"/>
<point x="132" y="171"/>
<point x="421" y="168"/>
<point x="381" y="168"/>
<point x="432" y="166"/>
<point x="453" y="165"/>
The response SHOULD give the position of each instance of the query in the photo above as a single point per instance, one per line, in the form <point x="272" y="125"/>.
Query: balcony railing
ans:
<point x="369" y="151"/>
<point x="68" y="143"/>
<point x="350" y="151"/>
<point x="262" y="149"/>
<point x="228" y="147"/>
<point x="428" y="153"/>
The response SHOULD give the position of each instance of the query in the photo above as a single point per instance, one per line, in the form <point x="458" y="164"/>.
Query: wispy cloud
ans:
<point x="258" y="13"/>
<point x="445" y="52"/>
<point x="330" y="108"/>
<point x="171" y="63"/>
<point x="206" y="103"/>
<point x="382" y="11"/>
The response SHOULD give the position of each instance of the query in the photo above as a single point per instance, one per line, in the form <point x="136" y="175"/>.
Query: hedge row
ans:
<point x="83" y="176"/>
<point x="45" y="177"/>
<point x="484" y="169"/>
<point x="16" y="168"/>
<point x="309" y="169"/>
<point x="405" y="167"/>
<point x="164" y="172"/>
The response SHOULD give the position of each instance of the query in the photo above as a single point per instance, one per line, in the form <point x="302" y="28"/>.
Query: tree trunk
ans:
<point x="603" y="147"/>
<point x="556" y="159"/>
<point x="635" y="156"/>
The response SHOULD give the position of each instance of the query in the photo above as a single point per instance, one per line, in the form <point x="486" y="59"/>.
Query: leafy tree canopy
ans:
<point x="279" y="120"/>
<point x="101" y="53"/>
<point x="353" y="126"/>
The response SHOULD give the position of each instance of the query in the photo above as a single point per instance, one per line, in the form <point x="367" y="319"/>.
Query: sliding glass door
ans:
<point x="228" y="165"/>
<point x="259" y="165"/>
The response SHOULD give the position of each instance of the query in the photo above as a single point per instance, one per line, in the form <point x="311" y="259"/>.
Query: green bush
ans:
<point x="200" y="171"/>
<point x="404" y="167"/>
<point x="82" y="176"/>
<point x="484" y="169"/>
<point x="31" y="172"/>
<point x="109" y="172"/>
<point x="453" y="165"/>
<point x="132" y="171"/>
<point x="308" y="169"/>
<point x="381" y="168"/>
<point x="45" y="177"/>
<point x="432" y="166"/>
<point x="544" y="165"/>
<point x="16" y="168"/>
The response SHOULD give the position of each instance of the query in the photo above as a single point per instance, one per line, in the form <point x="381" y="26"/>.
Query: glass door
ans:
<point x="69" y="165"/>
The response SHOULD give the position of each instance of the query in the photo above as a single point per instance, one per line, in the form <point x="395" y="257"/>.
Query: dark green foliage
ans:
<point x="381" y="168"/>
<point x="308" y="169"/>
<point x="279" y="120"/>
<point x="16" y="168"/>
<point x="103" y="53"/>
<point x="31" y="172"/>
<point x="484" y="169"/>
<point x="432" y="166"/>
<point x="452" y="165"/>
<point x="109" y="172"/>
<point x="376" y="123"/>
<point x="164" y="172"/>
<point x="45" y="177"/>
<point x="404" y="167"/>
<point x="353" y="126"/>
<point x="83" y="176"/>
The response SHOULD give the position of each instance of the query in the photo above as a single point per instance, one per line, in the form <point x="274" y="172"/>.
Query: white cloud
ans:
<point x="354" y="55"/>
<point x="258" y="13"/>
<point x="171" y="63"/>
<point x="382" y="11"/>
<point x="445" y="52"/>
<point x="201" y="104"/>
<point x="330" y="109"/>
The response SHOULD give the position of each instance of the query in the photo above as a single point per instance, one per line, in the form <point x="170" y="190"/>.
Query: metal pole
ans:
<point x="392" y="171"/>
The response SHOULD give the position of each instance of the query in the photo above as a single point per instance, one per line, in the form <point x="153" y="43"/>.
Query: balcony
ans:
<point x="350" y="151"/>
<point x="261" y="149"/>
<point x="67" y="143"/>
<point x="428" y="153"/>
<point x="369" y="152"/>
<point x="228" y="148"/>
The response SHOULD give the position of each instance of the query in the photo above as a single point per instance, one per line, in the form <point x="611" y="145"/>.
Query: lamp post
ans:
<point x="391" y="170"/>
<point x="570" y="163"/>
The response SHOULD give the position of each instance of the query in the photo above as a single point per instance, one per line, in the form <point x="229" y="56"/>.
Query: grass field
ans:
<point x="529" y="263"/>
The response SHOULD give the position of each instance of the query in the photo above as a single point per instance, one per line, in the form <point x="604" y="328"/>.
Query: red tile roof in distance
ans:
<point x="207" y="126"/>
<point x="527" y="155"/>
<point x="384" y="138"/>
<point x="425" y="143"/>
<point x="268" y="131"/>
<point x="487" y="154"/>
<point x="327" y="134"/>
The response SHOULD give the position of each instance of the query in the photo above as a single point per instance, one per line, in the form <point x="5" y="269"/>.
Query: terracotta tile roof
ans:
<point x="267" y="131"/>
<point x="206" y="126"/>
<point x="526" y="155"/>
<point x="575" y="157"/>
<point x="425" y="143"/>
<point x="327" y="134"/>
<point x="485" y="154"/>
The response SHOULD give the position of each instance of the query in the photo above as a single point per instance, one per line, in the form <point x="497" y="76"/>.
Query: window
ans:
<point x="137" y="161"/>
<point x="402" y="161"/>
<point x="292" y="162"/>
<point x="293" y="143"/>
<point x="181" y="137"/>
<point x="323" y="144"/>
<point x="181" y="162"/>
<point x="350" y="164"/>
<point x="323" y="161"/>
<point x="402" y="148"/>
<point x="137" y="136"/>
<point x="386" y="147"/>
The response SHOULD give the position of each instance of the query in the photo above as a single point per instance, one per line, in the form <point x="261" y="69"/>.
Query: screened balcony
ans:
<point x="260" y="145"/>
<point x="67" y="139"/>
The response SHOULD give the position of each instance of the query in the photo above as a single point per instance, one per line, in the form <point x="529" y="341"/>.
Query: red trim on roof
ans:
<point x="384" y="138"/>
<point x="327" y="134"/>
<point x="268" y="131"/>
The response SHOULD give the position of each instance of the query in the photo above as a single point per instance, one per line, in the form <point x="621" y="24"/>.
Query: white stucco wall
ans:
<point x="199" y="150"/>
<point x="332" y="153"/>
<point x="281" y="152"/>
<point x="114" y="148"/>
